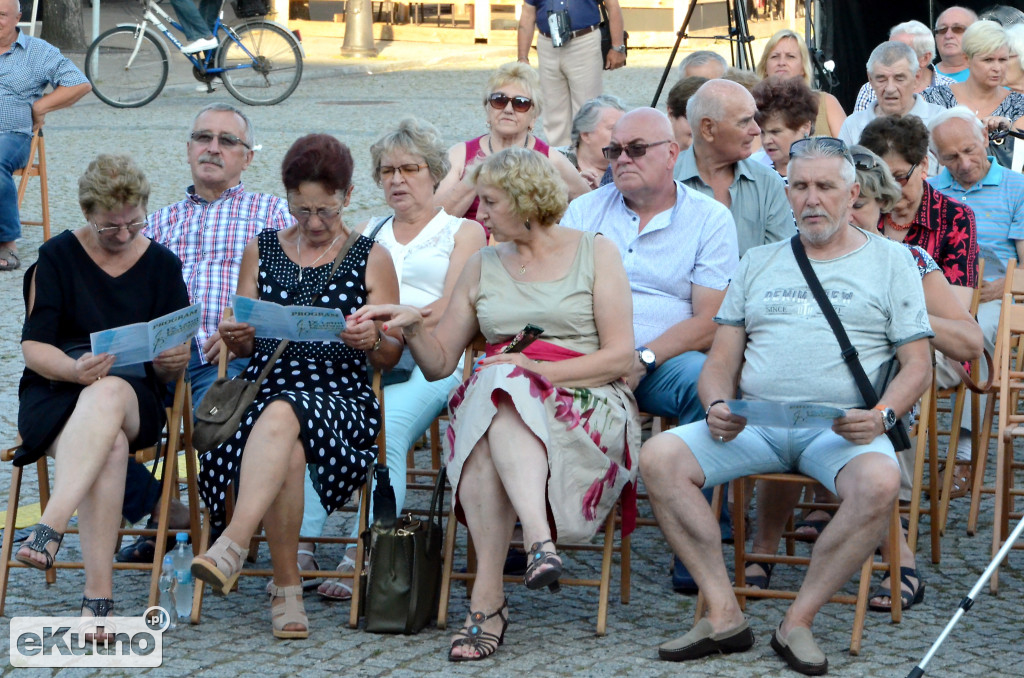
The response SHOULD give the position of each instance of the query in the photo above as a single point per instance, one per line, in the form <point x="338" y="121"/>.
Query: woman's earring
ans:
<point x="527" y="224"/>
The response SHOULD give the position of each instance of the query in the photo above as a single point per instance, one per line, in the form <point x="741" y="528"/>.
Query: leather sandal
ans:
<point x="475" y="638"/>
<point x="42" y="535"/>
<point x="286" y="608"/>
<point x="535" y="579"/>
<point x="220" y="565"/>
<point x="910" y="598"/>
<point x="100" y="607"/>
<point x="761" y="581"/>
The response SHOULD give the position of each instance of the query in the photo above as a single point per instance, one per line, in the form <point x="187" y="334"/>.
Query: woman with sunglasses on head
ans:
<point x="987" y="48"/>
<point x="316" y="406"/>
<point x="80" y="408"/>
<point x="786" y="109"/>
<point x="923" y="216"/>
<point x="591" y="132"/>
<point x="512" y="105"/>
<point x="548" y="433"/>
<point x="429" y="248"/>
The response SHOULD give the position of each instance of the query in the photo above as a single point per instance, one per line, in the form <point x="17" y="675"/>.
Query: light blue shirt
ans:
<point x="757" y="198"/>
<point x="25" y="70"/>
<point x="998" y="204"/>
<point x="694" y="243"/>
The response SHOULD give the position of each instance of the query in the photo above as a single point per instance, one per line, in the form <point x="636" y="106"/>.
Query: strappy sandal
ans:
<point x="220" y="565"/>
<point x="910" y="598"/>
<point x="42" y="535"/>
<point x="100" y="607"/>
<point x="549" y="577"/>
<point x="336" y="589"/>
<point x="475" y="638"/>
<point x="290" y="611"/>
<point x="761" y="581"/>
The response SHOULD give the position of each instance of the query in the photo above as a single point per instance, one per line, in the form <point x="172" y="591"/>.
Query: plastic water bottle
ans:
<point x="182" y="559"/>
<point x="167" y="590"/>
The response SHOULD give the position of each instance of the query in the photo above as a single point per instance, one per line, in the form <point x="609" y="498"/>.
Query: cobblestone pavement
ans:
<point x="549" y="635"/>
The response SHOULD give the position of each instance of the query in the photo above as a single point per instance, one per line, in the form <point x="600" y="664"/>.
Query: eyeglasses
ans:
<point x="863" y="161"/>
<point x="386" y="171"/>
<point x="500" y="100"/>
<point x="224" y="139"/>
<point x="957" y="29"/>
<point x="902" y="179"/>
<point x="633" y="150"/>
<point x="133" y="227"/>
<point x="830" y="145"/>
<point x="322" y="213"/>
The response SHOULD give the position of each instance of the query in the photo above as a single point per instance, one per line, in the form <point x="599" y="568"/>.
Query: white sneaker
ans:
<point x="200" y="45"/>
<point x="215" y="84"/>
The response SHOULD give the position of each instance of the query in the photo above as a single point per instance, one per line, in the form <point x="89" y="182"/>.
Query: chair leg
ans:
<point x="626" y="567"/>
<point x="43" y="472"/>
<point x="606" y="573"/>
<point x="446" y="569"/>
<point x="357" y="575"/>
<point x="8" y="539"/>
<point x="981" y="460"/>
<point x="863" y="592"/>
<point x="44" y="189"/>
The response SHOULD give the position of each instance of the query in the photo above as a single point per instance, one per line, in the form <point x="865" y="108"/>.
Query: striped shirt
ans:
<point x="26" y="69"/>
<point x="209" y="238"/>
<point x="998" y="204"/>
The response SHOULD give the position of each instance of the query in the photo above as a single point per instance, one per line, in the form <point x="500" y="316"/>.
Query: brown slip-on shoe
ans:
<point x="702" y="641"/>
<point x="800" y="651"/>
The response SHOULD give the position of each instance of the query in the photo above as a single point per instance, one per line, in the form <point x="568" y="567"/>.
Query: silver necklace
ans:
<point x="491" y="150"/>
<point x="298" y="250"/>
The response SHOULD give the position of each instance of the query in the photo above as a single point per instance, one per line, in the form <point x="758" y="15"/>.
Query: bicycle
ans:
<point x="259" y="61"/>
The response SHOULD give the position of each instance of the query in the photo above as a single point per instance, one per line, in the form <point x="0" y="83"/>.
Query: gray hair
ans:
<point x="875" y="179"/>
<point x="706" y="104"/>
<point x="813" y="148"/>
<point x="589" y="113"/>
<point x="889" y="53"/>
<point x="956" y="113"/>
<point x="250" y="133"/>
<point x="415" y="137"/>
<point x="700" y="58"/>
<point x="924" y="40"/>
<point x="1015" y="38"/>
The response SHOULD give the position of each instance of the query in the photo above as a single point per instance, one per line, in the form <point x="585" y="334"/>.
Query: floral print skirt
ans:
<point x="591" y="435"/>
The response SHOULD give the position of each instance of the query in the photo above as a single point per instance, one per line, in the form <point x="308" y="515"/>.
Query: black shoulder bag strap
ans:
<point x="850" y="355"/>
<point x="380" y="225"/>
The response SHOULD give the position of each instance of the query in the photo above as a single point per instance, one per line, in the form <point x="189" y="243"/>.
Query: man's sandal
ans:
<point x="10" y="262"/>
<point x="286" y="608"/>
<point x="474" y="637"/>
<point x="42" y="536"/>
<point x="910" y="598"/>
<point x="535" y="579"/>
<point x="100" y="607"/>
<point x="220" y="565"/>
<point x="760" y="581"/>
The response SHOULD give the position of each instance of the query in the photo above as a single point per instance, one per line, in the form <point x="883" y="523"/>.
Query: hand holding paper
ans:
<point x="297" y="323"/>
<point x="142" y="342"/>
<point x="786" y="415"/>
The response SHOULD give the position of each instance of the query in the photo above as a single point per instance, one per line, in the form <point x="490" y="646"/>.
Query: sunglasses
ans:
<point x="957" y="29"/>
<point x="133" y="227"/>
<point x="831" y="144"/>
<point x="386" y="171"/>
<point x="224" y="139"/>
<point x="862" y="161"/>
<point x="902" y="179"/>
<point x="634" y="150"/>
<point x="322" y="213"/>
<point x="499" y="101"/>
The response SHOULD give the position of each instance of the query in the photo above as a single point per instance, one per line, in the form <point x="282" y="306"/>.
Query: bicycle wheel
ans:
<point x="262" y="63"/>
<point x="126" y="69"/>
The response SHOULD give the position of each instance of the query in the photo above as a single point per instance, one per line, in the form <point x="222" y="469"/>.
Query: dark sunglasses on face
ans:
<point x="224" y="139"/>
<point x="499" y="101"/>
<point x="957" y="29"/>
<point x="634" y="150"/>
<point x="902" y="179"/>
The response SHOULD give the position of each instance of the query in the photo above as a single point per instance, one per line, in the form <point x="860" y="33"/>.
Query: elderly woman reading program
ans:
<point x="548" y="431"/>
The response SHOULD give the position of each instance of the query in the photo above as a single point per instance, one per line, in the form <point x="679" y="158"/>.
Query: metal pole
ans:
<point x="680" y="34"/>
<point x="968" y="600"/>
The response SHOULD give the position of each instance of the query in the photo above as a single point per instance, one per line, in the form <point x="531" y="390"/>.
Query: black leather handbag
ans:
<point x="404" y="575"/>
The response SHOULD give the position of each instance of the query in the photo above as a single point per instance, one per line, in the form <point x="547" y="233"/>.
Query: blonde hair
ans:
<point x="529" y="180"/>
<point x="805" y="56"/>
<point x="110" y="182"/>
<point x="983" y="37"/>
<point x="523" y="75"/>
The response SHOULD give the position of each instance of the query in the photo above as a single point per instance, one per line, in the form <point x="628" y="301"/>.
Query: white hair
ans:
<point x="1015" y="38"/>
<point x="889" y="53"/>
<point x="701" y="57"/>
<point x="956" y="113"/>
<point x="923" y="40"/>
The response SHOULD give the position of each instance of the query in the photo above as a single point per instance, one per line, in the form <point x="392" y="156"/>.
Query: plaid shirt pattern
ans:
<point x="209" y="238"/>
<point x="866" y="95"/>
<point x="25" y="71"/>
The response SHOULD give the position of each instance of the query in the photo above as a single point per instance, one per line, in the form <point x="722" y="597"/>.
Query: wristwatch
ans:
<point x="888" y="416"/>
<point x="647" y="358"/>
<point x="621" y="49"/>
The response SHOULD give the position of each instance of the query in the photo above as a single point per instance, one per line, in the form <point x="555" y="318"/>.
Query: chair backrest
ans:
<point x="477" y="347"/>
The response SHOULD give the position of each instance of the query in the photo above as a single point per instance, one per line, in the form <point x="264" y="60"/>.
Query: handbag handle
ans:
<point x="867" y="391"/>
<point x="966" y="378"/>
<point x="438" y="498"/>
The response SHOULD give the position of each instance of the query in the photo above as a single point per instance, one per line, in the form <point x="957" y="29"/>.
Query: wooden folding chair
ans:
<point x="743" y="558"/>
<point x="179" y="437"/>
<point x="36" y="167"/>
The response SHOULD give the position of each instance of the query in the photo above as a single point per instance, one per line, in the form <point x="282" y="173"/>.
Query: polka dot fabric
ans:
<point x="324" y="382"/>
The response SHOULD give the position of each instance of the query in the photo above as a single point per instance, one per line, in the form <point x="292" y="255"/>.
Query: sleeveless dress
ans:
<point x="324" y="382"/>
<point x="591" y="435"/>
<point x="474" y="154"/>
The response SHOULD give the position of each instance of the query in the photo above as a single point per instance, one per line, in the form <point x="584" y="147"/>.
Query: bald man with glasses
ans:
<point x="949" y="34"/>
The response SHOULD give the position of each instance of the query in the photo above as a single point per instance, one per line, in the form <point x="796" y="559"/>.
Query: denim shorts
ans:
<point x="818" y="453"/>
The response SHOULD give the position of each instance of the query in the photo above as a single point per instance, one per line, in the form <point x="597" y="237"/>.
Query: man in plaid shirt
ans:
<point x="208" y="230"/>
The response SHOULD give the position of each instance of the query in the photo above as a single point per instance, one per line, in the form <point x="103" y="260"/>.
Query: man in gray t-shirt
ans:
<point x="773" y="343"/>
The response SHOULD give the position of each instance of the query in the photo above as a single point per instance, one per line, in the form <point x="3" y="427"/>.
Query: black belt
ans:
<point x="582" y="31"/>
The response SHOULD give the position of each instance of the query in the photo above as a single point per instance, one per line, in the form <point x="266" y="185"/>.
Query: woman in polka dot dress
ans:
<point x="316" y="406"/>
